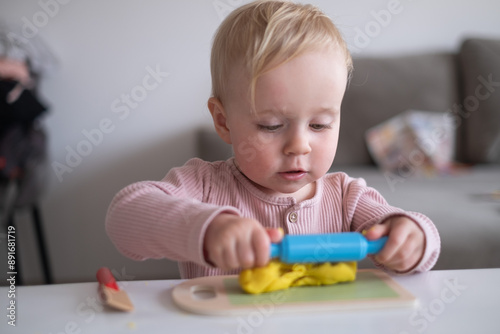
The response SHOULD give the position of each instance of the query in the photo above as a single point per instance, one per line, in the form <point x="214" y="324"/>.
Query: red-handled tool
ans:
<point x="110" y="293"/>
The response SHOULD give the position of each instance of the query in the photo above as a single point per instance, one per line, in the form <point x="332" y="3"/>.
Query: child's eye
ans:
<point x="269" y="128"/>
<point x="318" y="127"/>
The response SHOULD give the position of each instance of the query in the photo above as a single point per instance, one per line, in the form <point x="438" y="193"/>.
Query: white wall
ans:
<point x="105" y="49"/>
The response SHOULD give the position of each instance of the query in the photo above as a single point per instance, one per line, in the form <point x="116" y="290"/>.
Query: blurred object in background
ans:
<point x="22" y="138"/>
<point x="23" y="142"/>
<point x="416" y="142"/>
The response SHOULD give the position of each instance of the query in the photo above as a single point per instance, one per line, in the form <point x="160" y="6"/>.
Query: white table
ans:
<point x="453" y="301"/>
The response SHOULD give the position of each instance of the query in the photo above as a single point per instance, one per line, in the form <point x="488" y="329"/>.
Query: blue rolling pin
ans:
<point x="333" y="247"/>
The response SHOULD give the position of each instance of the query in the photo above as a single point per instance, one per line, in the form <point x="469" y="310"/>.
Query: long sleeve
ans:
<point x="168" y="218"/>
<point x="365" y="207"/>
<point x="165" y="219"/>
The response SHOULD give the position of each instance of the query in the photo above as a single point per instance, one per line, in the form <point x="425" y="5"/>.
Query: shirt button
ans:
<point x="292" y="217"/>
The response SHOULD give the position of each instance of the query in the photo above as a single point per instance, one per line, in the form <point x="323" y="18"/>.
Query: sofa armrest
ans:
<point x="480" y="112"/>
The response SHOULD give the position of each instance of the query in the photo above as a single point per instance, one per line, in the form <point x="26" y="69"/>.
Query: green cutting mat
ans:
<point x="367" y="286"/>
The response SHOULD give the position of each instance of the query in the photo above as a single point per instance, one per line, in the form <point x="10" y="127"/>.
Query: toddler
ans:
<point x="279" y="73"/>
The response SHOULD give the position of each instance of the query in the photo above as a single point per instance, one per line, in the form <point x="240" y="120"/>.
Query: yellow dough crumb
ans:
<point x="277" y="275"/>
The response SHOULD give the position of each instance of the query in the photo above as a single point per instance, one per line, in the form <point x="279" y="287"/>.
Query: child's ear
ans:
<point x="220" y="119"/>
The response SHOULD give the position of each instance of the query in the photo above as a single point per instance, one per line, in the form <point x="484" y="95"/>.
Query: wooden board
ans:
<point x="222" y="295"/>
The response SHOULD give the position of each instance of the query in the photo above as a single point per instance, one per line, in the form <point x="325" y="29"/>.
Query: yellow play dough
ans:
<point x="277" y="275"/>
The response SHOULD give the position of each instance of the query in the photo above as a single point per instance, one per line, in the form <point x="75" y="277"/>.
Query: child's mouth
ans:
<point x="293" y="175"/>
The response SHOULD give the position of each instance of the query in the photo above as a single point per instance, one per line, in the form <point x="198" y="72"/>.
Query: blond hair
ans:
<point x="265" y="34"/>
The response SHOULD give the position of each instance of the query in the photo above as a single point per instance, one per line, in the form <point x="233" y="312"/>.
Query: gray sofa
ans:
<point x="466" y="86"/>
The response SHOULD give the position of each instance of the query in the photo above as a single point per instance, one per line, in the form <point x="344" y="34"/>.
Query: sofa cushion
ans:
<point x="210" y="146"/>
<point x="384" y="87"/>
<point x="480" y="68"/>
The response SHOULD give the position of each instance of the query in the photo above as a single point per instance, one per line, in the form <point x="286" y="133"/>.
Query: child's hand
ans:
<point x="233" y="242"/>
<point x="405" y="245"/>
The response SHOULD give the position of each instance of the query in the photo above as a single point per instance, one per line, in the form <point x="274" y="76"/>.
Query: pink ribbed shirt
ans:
<point x="168" y="218"/>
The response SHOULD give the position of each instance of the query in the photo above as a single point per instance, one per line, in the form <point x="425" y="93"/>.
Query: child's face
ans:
<point x="291" y="139"/>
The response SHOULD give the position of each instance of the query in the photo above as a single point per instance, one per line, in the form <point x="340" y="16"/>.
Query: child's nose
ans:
<point x="297" y="144"/>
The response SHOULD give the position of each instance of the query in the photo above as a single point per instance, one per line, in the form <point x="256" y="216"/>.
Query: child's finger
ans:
<point x="246" y="255"/>
<point x="229" y="259"/>
<point x="390" y="248"/>
<point x="386" y="255"/>
<point x="260" y="248"/>
<point x="275" y="234"/>
<point x="393" y="246"/>
<point x="377" y="231"/>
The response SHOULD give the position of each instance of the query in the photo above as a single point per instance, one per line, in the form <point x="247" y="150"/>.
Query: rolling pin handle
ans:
<point x="375" y="246"/>
<point x="275" y="250"/>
